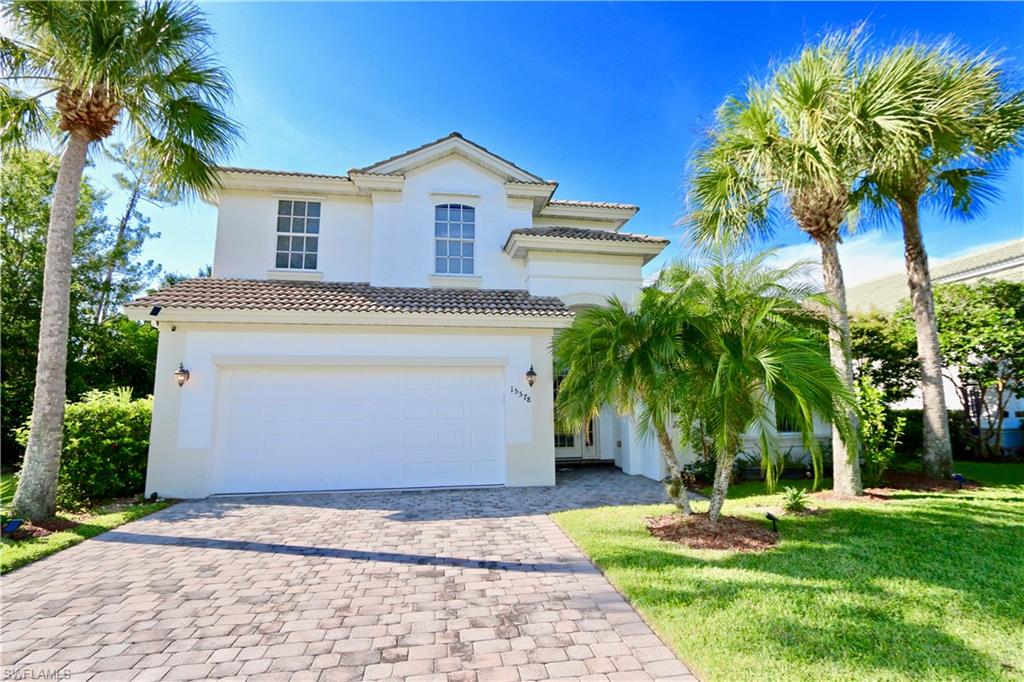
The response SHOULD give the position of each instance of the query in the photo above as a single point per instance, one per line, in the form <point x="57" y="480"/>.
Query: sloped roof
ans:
<point x="1003" y="261"/>
<point x="454" y="135"/>
<point x="348" y="297"/>
<point x="592" y="204"/>
<point x="586" y="233"/>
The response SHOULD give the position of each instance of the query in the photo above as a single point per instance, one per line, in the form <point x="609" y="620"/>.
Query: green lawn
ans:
<point x="928" y="587"/>
<point x="17" y="553"/>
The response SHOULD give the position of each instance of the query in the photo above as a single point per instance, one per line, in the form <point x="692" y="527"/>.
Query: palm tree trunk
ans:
<point x="937" y="457"/>
<point x="37" y="484"/>
<point x="723" y="472"/>
<point x="682" y="500"/>
<point x="845" y="456"/>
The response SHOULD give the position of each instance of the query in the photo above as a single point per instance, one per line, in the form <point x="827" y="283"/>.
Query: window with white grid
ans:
<point x="298" y="234"/>
<point x="454" y="231"/>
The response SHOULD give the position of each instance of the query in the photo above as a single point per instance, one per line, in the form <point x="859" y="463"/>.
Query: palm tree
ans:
<point x="629" y="358"/>
<point x="758" y="349"/>
<point x="798" y="141"/>
<point x="149" y="67"/>
<point x="968" y="122"/>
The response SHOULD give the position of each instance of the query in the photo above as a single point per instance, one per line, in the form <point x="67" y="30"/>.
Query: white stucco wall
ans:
<point x="184" y="422"/>
<point x="247" y="236"/>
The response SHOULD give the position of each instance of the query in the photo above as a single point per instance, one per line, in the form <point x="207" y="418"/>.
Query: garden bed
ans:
<point x="697" y="532"/>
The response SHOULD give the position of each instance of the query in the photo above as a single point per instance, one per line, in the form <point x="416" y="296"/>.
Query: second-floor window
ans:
<point x="454" y="231"/>
<point x="298" y="234"/>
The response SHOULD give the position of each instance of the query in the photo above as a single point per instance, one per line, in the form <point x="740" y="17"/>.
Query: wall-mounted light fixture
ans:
<point x="181" y="375"/>
<point x="531" y="376"/>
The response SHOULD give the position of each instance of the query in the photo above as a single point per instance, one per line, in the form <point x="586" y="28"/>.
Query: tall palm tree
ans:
<point x="629" y="358"/>
<point x="784" y="142"/>
<point x="797" y="143"/>
<point x="968" y="120"/>
<point x="148" y="67"/>
<point x="759" y="349"/>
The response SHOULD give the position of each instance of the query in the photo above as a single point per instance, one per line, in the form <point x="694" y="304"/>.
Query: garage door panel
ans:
<point x="358" y="427"/>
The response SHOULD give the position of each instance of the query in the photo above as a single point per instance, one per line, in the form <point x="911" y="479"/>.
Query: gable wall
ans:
<point x="403" y="228"/>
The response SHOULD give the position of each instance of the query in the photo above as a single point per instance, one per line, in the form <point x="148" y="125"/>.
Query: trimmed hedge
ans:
<point x="106" y="443"/>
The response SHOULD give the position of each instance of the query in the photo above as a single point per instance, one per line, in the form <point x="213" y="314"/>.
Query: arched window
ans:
<point x="454" y="231"/>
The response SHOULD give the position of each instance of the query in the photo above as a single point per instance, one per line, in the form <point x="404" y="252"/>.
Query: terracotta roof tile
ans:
<point x="348" y="297"/>
<point x="585" y="233"/>
<point x="591" y="204"/>
<point x="294" y="174"/>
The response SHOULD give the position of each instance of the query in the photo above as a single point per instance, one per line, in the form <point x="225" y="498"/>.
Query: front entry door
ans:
<point x="575" y="445"/>
<point x="579" y="445"/>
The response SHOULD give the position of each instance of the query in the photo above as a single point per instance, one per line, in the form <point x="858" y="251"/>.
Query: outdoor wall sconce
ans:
<point x="181" y="375"/>
<point x="531" y="376"/>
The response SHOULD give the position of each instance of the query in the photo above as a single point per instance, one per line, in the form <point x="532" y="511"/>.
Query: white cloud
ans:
<point x="865" y="257"/>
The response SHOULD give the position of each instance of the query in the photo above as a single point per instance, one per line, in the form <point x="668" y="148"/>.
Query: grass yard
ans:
<point x="929" y="586"/>
<point x="17" y="553"/>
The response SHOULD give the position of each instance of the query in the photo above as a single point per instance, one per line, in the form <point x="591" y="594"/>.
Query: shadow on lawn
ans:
<point x="968" y="554"/>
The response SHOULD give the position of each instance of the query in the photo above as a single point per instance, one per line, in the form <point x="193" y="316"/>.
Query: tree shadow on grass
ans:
<point x="857" y="569"/>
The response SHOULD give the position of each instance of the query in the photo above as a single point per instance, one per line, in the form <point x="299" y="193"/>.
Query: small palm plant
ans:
<point x="758" y="341"/>
<point x="146" y="68"/>
<point x="714" y="346"/>
<point x="631" y="358"/>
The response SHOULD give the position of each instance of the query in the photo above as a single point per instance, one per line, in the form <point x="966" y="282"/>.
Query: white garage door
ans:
<point x="337" y="428"/>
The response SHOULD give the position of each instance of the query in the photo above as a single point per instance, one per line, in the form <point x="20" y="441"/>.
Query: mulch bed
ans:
<point x="39" y="529"/>
<point x="697" y="532"/>
<point x="897" y="482"/>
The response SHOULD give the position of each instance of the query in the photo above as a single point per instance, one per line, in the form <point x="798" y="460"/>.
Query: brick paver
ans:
<point x="452" y="585"/>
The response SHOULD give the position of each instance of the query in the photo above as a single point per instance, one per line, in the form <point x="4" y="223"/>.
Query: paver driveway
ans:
<point x="458" y="585"/>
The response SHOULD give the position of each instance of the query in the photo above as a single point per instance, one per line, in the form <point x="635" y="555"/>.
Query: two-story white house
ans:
<point x="387" y="328"/>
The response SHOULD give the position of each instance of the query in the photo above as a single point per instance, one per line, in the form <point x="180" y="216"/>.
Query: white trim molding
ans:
<point x="455" y="281"/>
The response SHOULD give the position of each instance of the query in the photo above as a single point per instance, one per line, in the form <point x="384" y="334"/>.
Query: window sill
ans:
<point x="296" y="275"/>
<point x="455" y="281"/>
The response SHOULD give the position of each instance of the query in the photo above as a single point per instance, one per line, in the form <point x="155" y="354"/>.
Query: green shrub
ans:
<point x="879" y="435"/>
<point x="106" y="442"/>
<point x="794" y="500"/>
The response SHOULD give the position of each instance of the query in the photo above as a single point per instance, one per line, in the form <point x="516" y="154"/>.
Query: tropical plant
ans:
<point x="880" y="433"/>
<point x="630" y="358"/>
<point x="968" y="119"/>
<point x="106" y="444"/>
<point x="757" y="349"/>
<point x="794" y="500"/>
<point x="149" y="65"/>
<point x="795" y="142"/>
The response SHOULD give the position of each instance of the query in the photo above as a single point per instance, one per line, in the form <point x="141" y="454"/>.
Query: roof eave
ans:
<point x="520" y="245"/>
<point x="312" y="317"/>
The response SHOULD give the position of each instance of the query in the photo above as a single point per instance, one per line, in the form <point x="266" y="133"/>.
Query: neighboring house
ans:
<point x="1004" y="261"/>
<point x="376" y="330"/>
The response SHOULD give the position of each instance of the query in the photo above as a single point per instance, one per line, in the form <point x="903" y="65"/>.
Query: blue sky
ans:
<point x="608" y="99"/>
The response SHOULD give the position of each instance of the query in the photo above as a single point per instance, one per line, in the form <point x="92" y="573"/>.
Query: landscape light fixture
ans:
<point x="775" y="521"/>
<point x="181" y="375"/>
<point x="531" y="376"/>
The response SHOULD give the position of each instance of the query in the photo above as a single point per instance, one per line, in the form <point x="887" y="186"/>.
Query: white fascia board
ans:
<point x="519" y="246"/>
<point x="260" y="182"/>
<point x="170" y="314"/>
<point x="619" y="216"/>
